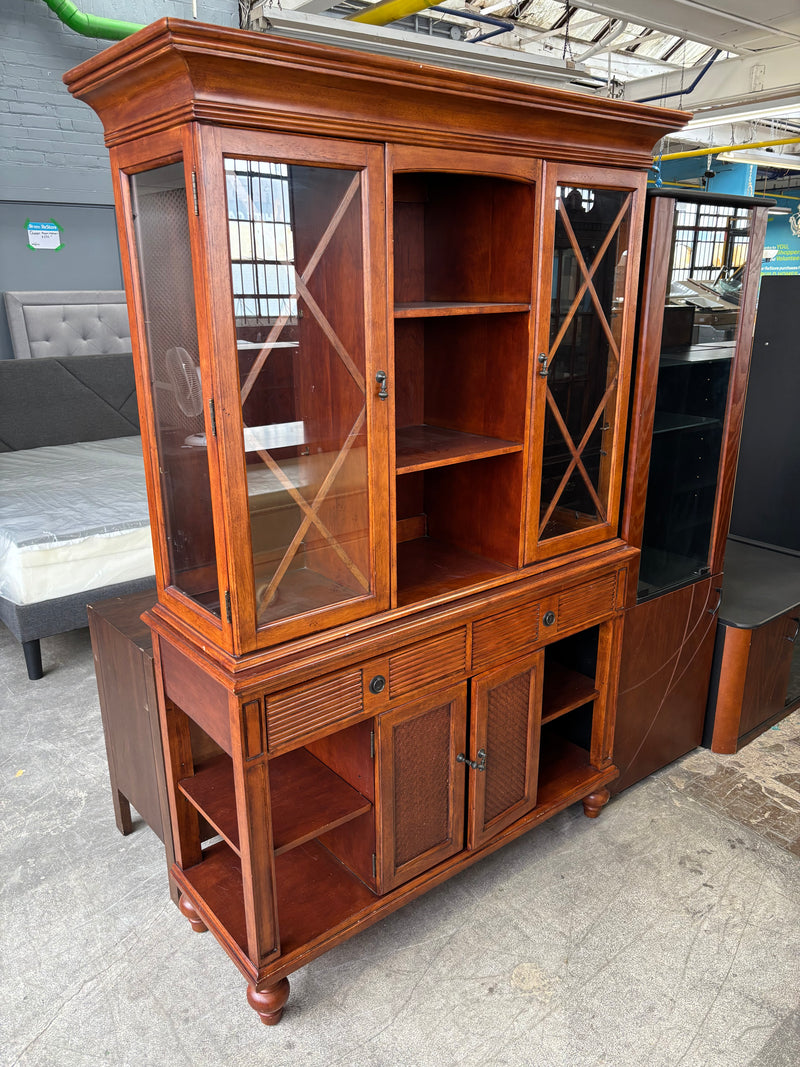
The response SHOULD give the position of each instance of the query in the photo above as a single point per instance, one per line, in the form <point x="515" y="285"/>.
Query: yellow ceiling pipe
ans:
<point x="716" y="149"/>
<point x="390" y="11"/>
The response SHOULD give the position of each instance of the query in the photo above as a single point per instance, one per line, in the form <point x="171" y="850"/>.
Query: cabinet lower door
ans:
<point x="421" y="786"/>
<point x="504" y="746"/>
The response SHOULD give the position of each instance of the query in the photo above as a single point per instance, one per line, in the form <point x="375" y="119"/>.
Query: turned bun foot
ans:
<point x="269" y="1003"/>
<point x="595" y="802"/>
<point x="188" y="909"/>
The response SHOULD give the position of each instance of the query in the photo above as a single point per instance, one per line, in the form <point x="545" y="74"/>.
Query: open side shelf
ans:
<point x="563" y="767"/>
<point x="421" y="448"/>
<point x="308" y="799"/>
<point x="217" y="882"/>
<point x="211" y="791"/>
<point x="315" y="894"/>
<point x="564" y="690"/>
<point x="428" y="568"/>
<point x="435" y="309"/>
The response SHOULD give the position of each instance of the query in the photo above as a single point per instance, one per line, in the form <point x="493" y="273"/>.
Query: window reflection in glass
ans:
<point x="297" y="271"/>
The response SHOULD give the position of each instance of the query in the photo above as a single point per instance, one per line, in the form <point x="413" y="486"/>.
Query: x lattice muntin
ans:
<point x="588" y="287"/>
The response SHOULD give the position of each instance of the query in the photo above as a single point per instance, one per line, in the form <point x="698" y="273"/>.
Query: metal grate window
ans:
<point x="261" y="241"/>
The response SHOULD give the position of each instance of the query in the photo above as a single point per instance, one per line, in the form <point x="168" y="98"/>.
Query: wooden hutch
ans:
<point x="383" y="321"/>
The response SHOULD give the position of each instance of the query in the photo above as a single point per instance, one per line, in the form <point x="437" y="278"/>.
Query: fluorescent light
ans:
<point x="741" y="113"/>
<point x="781" y="160"/>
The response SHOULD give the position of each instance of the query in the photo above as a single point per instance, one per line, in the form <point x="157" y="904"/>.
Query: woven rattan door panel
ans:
<point x="421" y="796"/>
<point x="505" y="721"/>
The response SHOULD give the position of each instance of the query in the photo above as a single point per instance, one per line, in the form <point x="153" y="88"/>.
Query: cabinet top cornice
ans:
<point x="175" y="71"/>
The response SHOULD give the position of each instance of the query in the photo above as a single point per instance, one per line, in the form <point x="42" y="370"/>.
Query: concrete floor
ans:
<point x="665" y="933"/>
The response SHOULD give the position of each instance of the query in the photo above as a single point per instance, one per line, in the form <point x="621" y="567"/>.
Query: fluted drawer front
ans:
<point x="309" y="709"/>
<point x="420" y="665"/>
<point x="504" y="635"/>
<point x="586" y="603"/>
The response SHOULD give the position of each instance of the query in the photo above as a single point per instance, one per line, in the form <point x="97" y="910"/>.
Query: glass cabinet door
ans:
<point x="699" y="334"/>
<point x="160" y="214"/>
<point x="581" y="364"/>
<point x="299" y="252"/>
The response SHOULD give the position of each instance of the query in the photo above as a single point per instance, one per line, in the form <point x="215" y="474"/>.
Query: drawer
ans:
<point x="500" y="637"/>
<point x="314" y="708"/>
<point x="330" y="703"/>
<point x="583" y="604"/>
<point x="503" y="636"/>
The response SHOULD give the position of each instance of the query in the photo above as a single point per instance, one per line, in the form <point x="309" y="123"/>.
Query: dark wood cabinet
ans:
<point x="383" y="389"/>
<point x="694" y="341"/>
<point x="754" y="682"/>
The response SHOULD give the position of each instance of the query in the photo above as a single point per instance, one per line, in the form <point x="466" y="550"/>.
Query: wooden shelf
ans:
<point x="315" y="894"/>
<point x="217" y="881"/>
<point x="426" y="309"/>
<point x="563" y="767"/>
<point x="421" y="448"/>
<point x="308" y="799"/>
<point x="428" y="568"/>
<point x="212" y="792"/>
<point x="564" y="690"/>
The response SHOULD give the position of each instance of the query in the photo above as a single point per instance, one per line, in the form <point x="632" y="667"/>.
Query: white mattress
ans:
<point x="72" y="518"/>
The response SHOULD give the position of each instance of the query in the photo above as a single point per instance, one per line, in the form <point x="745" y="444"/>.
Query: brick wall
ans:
<point x="51" y="146"/>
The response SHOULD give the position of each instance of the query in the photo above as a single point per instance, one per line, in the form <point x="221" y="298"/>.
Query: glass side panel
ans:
<point x="701" y="321"/>
<point x="298" y="288"/>
<point x="583" y="360"/>
<point x="161" y="225"/>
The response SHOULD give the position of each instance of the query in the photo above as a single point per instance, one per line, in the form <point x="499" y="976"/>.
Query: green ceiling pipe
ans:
<point x="91" y="25"/>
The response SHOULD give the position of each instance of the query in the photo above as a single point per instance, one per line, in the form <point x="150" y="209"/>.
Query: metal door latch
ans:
<point x="477" y="765"/>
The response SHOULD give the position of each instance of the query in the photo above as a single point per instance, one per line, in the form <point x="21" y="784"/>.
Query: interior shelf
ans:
<point x="217" y="880"/>
<point x="435" y="308"/>
<point x="563" y="767"/>
<point x="308" y="799"/>
<point x="211" y="791"/>
<point x="315" y="894"/>
<point x="427" y="568"/>
<point x="671" y="422"/>
<point x="564" y="690"/>
<point x="420" y="448"/>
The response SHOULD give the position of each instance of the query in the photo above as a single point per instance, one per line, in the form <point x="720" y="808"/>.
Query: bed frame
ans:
<point x="54" y="401"/>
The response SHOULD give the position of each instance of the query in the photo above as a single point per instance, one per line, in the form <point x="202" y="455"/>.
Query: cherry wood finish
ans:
<point x="348" y="671"/>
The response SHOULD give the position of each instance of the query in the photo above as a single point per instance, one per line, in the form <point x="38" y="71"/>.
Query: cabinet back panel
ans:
<point x="477" y="507"/>
<point x="476" y="372"/>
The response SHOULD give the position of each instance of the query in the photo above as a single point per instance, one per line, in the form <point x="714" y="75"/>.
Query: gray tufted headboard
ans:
<point x="71" y="323"/>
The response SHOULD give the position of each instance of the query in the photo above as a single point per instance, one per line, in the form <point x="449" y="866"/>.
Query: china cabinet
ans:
<point x="699" y="290"/>
<point x="383" y="330"/>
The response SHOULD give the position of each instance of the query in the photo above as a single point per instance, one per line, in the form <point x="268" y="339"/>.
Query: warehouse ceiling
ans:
<point x="735" y="64"/>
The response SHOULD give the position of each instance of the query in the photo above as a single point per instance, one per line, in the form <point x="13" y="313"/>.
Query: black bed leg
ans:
<point x="33" y="659"/>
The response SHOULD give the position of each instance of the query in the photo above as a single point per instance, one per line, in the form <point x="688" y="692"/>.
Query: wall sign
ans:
<point x="44" y="236"/>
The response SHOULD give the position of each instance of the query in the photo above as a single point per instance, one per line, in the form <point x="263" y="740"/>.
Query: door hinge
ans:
<point x="228" y="605"/>
<point x="212" y="414"/>
<point x="194" y="193"/>
<point x="372" y="744"/>
<point x="374" y="866"/>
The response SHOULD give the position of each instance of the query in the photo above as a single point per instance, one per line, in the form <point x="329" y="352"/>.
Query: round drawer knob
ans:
<point x="549" y="618"/>
<point x="378" y="684"/>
